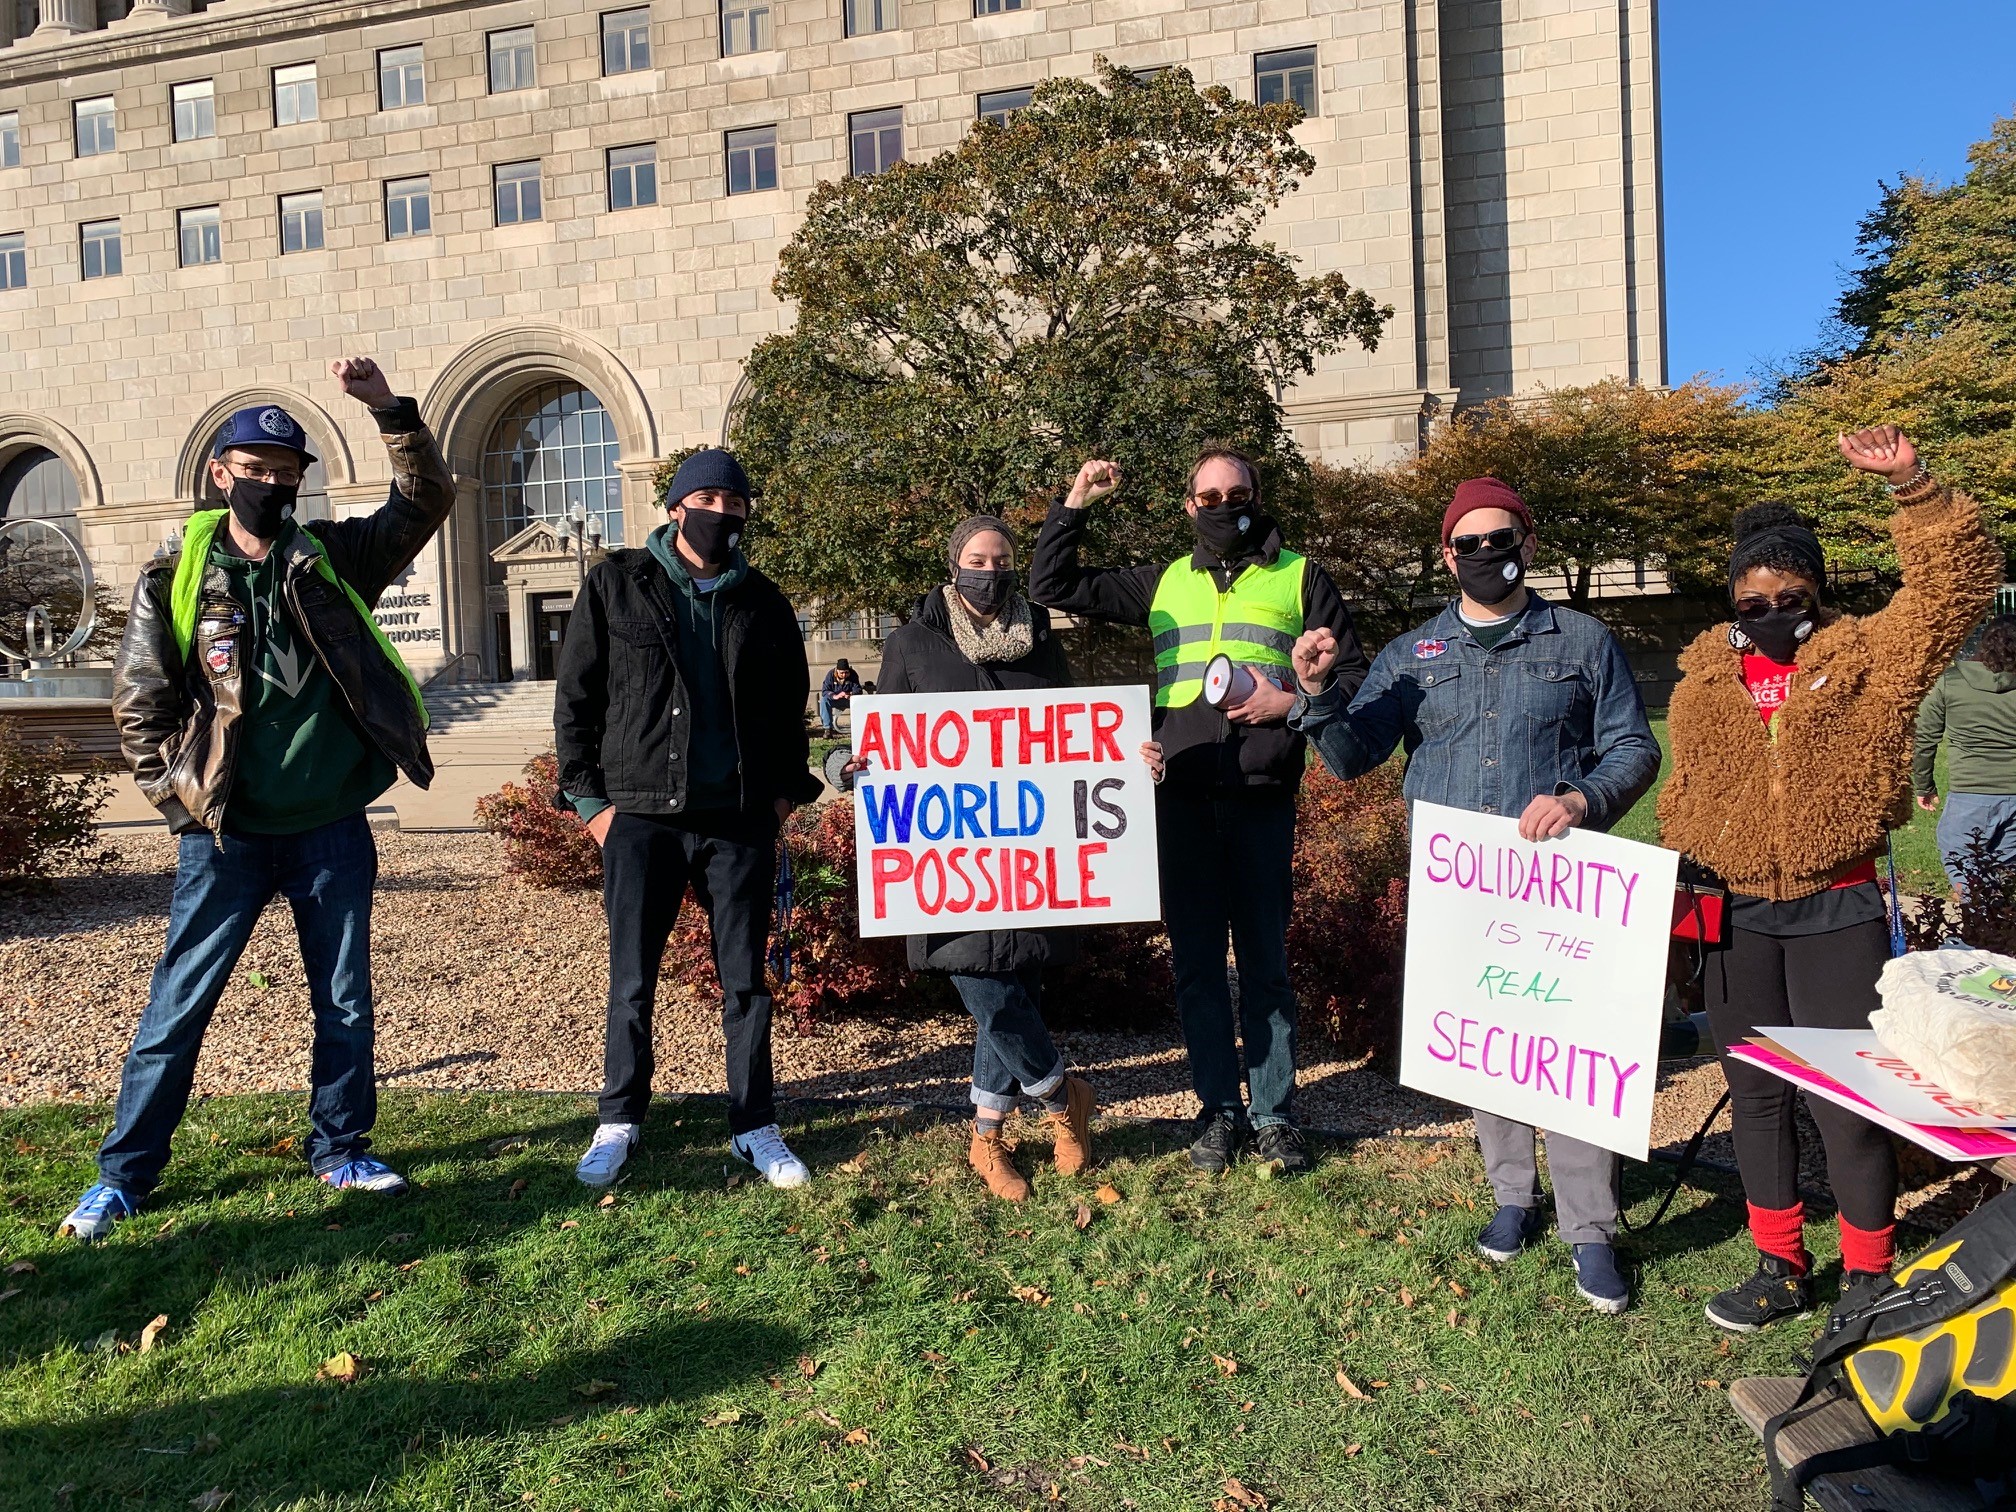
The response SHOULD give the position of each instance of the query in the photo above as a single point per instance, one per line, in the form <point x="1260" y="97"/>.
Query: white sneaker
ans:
<point x="606" y="1153"/>
<point x="765" y="1149"/>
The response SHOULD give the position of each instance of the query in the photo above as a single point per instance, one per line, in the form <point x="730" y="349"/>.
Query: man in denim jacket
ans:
<point x="1507" y="704"/>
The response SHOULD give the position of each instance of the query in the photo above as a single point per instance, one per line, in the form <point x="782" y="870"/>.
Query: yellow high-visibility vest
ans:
<point x="1255" y="622"/>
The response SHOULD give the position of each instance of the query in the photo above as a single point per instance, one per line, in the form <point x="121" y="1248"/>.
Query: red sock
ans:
<point x="1868" y="1250"/>
<point x="1778" y="1232"/>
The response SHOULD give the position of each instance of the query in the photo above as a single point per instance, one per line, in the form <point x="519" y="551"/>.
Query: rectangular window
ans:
<point x="626" y="41"/>
<point x="409" y="208"/>
<point x="95" y="133"/>
<point x="752" y="159"/>
<point x="1289" y="75"/>
<point x="301" y="222"/>
<point x="10" y="139"/>
<point x="865" y="16"/>
<point x="516" y="190"/>
<point x="1003" y="103"/>
<point x="995" y="7"/>
<point x="402" y="78"/>
<point x="633" y="176"/>
<point x="511" y="60"/>
<point x="195" y="110"/>
<point x="875" y="140"/>
<point x="99" y="245"/>
<point x="200" y="232"/>
<point x="745" y="26"/>
<point x="294" y="94"/>
<point x="14" y="260"/>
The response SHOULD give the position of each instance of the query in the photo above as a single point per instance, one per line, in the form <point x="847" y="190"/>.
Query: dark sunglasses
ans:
<point x="1756" y="606"/>
<point x="1211" y="498"/>
<point x="1503" y="539"/>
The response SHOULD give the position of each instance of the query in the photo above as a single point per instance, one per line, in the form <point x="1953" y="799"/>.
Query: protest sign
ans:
<point x="1000" y="810"/>
<point x="1535" y="974"/>
<point x="1855" y="1059"/>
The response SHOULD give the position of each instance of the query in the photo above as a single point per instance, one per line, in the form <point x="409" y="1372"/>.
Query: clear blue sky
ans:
<point x="1780" y="116"/>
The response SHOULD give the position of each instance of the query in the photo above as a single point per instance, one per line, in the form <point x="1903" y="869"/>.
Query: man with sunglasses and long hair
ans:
<point x="1226" y="811"/>
<point x="1792" y="731"/>
<point x="1507" y="704"/>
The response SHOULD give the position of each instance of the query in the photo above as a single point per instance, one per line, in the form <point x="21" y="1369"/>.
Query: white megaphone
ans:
<point x="1227" y="683"/>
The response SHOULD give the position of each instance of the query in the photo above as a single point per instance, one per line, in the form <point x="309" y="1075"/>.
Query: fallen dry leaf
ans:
<point x="826" y="1417"/>
<point x="571" y="1224"/>
<point x="1462" y="1291"/>
<point x="1035" y="1296"/>
<point x="607" y="1202"/>
<point x="977" y="1460"/>
<point x="1242" y="1495"/>
<point x="23" y="1268"/>
<point x="1349" y="1387"/>
<point x="1108" y="1194"/>
<point x="210" y="1501"/>
<point x="855" y="1436"/>
<point x="934" y="1357"/>
<point x="1226" y="1365"/>
<point x="594" y="1389"/>
<point x="1351" y="1449"/>
<point x="517" y="1190"/>
<point x="344" y="1368"/>
<point x="1406" y="1297"/>
<point x="1083" y="1218"/>
<point x="809" y="1367"/>
<point x="152" y="1332"/>
<point x="1451" y="1319"/>
<point x="722" y="1419"/>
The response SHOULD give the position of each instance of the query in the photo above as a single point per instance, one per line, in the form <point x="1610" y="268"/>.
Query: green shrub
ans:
<point x="47" y="813"/>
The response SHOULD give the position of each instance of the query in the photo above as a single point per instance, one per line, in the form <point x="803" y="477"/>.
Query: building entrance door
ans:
<point x="549" y="628"/>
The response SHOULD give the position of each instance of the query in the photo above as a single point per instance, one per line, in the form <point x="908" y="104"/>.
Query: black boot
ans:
<point x="1776" y="1291"/>
<point x="1217" y="1144"/>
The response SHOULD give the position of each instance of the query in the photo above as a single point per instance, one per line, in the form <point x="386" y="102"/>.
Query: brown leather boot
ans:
<point x="1072" y="1129"/>
<point x="988" y="1154"/>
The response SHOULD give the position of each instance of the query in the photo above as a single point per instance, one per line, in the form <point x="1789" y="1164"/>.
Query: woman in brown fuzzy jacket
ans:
<point x="1792" y="731"/>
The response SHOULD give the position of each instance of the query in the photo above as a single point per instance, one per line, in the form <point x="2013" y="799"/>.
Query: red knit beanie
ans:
<point x="1483" y="493"/>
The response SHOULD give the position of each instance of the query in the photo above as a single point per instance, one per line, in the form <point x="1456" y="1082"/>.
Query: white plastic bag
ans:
<point x="1951" y="1014"/>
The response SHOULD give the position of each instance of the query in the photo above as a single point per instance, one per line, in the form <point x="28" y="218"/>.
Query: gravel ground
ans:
<point x="484" y="982"/>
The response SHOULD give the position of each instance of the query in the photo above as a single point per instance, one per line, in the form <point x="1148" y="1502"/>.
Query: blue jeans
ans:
<point x="1012" y="1050"/>
<point x="1964" y="816"/>
<point x="221" y="886"/>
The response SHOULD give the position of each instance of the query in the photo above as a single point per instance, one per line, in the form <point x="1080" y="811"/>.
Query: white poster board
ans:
<point x="1857" y="1060"/>
<point x="1535" y="974"/>
<point x="1024" y="810"/>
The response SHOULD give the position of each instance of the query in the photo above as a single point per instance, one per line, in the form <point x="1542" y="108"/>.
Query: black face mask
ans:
<point x="711" y="534"/>
<point x="1780" y="633"/>
<point x="1491" y="576"/>
<point x="987" y="591"/>
<point x="1223" y="528"/>
<point x="262" y="508"/>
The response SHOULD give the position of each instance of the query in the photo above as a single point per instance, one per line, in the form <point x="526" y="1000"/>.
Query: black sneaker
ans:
<point x="1283" y="1145"/>
<point x="1510" y="1230"/>
<point x="1776" y="1291"/>
<point x="1217" y="1144"/>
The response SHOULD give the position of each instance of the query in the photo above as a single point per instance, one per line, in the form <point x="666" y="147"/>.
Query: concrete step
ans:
<point x="491" y="706"/>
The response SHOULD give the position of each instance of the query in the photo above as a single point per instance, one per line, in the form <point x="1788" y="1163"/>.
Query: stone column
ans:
<point x="66" y="18"/>
<point x="151" y="12"/>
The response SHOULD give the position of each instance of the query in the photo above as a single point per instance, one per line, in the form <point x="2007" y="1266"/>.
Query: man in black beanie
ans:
<point x="679" y="720"/>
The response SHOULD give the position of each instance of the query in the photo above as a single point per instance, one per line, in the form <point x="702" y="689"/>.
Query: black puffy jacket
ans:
<point x="922" y="657"/>
<point x="622" y="720"/>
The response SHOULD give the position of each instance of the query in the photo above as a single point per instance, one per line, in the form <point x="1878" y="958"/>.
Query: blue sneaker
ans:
<point x="1510" y="1230"/>
<point x="365" y="1174"/>
<point x="96" y="1211"/>
<point x="1598" y="1279"/>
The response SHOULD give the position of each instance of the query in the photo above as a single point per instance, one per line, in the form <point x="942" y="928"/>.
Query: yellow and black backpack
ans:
<point x="1929" y="1354"/>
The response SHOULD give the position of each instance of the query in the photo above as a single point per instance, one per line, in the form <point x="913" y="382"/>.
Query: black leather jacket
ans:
<point x="178" y="720"/>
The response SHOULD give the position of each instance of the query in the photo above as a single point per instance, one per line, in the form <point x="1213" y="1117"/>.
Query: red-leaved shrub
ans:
<point x="546" y="846"/>
<point x="1347" y="935"/>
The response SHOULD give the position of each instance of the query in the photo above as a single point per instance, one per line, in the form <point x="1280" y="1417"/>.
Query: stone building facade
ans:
<point x="556" y="223"/>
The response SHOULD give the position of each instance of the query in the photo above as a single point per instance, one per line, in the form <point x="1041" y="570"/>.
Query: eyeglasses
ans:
<point x="258" y="472"/>
<point x="1211" y="498"/>
<point x="1502" y="539"/>
<point x="1754" y="606"/>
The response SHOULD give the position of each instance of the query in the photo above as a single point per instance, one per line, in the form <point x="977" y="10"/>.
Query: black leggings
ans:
<point x="1822" y="981"/>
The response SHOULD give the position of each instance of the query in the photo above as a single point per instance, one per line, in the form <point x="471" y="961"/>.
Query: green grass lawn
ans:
<point x="1918" y="868"/>
<point x="886" y="1338"/>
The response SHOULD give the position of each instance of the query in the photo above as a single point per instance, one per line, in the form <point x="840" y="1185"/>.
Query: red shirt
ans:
<point x="1769" y="682"/>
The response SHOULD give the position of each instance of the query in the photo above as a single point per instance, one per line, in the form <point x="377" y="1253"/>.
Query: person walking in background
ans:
<point x="1972" y="707"/>
<point x="1509" y="705"/>
<point x="979" y="633"/>
<point x="1226" y="814"/>
<point x="262" y="710"/>
<point x="679" y="721"/>
<point x="836" y="691"/>
<point x="1791" y="733"/>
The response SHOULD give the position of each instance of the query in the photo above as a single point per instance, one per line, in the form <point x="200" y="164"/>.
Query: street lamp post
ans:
<point x="585" y="531"/>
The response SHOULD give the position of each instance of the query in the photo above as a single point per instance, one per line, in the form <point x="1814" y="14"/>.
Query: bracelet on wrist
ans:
<point x="1921" y="475"/>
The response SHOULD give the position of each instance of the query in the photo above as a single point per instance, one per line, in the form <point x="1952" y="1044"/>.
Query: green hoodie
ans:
<point x="1975" y="710"/>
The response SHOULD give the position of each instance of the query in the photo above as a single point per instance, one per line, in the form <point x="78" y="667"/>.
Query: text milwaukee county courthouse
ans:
<point x="557" y="225"/>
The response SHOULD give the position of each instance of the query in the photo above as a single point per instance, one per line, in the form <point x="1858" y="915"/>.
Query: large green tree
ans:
<point x="1089" y="279"/>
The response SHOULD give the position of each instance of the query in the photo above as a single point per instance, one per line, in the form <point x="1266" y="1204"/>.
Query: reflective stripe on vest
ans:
<point x="1255" y="622"/>
<point x="186" y="592"/>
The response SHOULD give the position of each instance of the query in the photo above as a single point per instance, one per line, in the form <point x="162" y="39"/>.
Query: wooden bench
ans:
<point x="1758" y="1399"/>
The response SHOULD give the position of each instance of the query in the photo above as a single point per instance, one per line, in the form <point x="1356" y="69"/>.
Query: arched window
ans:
<point x="554" y="448"/>
<point x="312" y="503"/>
<point x="37" y="484"/>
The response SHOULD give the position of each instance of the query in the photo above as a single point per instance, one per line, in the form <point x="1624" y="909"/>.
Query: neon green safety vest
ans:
<point x="1255" y="622"/>
<point x="186" y="593"/>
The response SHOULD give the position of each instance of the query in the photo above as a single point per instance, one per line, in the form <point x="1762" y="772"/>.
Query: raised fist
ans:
<point x="1314" y="655"/>
<point x="1881" y="449"/>
<point x="1095" y="480"/>
<point x="363" y="380"/>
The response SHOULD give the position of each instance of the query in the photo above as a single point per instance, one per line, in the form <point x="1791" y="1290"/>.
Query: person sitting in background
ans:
<point x="836" y="691"/>
<point x="1791" y="731"/>
<point x="1973" y="708"/>
<point x="1508" y="705"/>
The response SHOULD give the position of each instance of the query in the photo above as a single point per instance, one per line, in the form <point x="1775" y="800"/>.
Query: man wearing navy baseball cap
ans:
<point x="262" y="709"/>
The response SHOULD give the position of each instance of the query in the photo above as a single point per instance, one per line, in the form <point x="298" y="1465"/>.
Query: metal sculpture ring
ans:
<point x="26" y="566"/>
